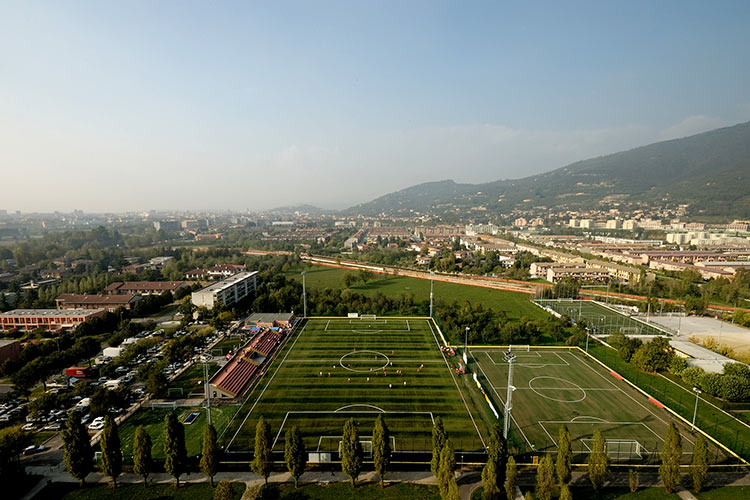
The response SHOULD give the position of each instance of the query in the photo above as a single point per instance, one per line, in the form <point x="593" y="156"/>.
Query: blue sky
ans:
<point x="140" y="105"/>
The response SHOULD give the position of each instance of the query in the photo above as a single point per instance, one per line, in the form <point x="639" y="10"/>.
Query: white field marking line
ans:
<point x="634" y="400"/>
<point x="266" y="387"/>
<point x="530" y="365"/>
<point x="547" y="432"/>
<point x="326" y="412"/>
<point x="328" y="323"/>
<point x="457" y="387"/>
<point x="512" y="418"/>
<point x="407" y="325"/>
<point x="321" y="438"/>
<point x="368" y="331"/>
<point x="359" y="405"/>
<point x="587" y="419"/>
<point x="557" y="388"/>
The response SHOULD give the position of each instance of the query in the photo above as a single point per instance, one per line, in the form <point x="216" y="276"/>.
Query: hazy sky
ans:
<point x="119" y="105"/>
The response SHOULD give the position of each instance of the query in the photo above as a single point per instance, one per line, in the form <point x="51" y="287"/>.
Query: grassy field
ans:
<point x="153" y="421"/>
<point x="226" y="345"/>
<point x="71" y="491"/>
<point x="555" y="387"/>
<point x="513" y="304"/>
<point x="333" y="370"/>
<point x="191" y="382"/>
<point x="722" y="426"/>
<point x="344" y="491"/>
<point x="602" y="319"/>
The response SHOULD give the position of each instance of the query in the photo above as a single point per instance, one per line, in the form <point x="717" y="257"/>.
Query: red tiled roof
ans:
<point x="75" y="298"/>
<point x="121" y="286"/>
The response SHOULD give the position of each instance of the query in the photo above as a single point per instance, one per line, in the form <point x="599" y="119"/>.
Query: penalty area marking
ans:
<point x="359" y="406"/>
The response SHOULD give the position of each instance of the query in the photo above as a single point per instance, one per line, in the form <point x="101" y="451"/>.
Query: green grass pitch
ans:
<point x="363" y="358"/>
<point x="555" y="387"/>
<point x="602" y="319"/>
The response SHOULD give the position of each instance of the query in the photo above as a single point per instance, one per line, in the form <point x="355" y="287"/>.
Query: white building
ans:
<point x="227" y="291"/>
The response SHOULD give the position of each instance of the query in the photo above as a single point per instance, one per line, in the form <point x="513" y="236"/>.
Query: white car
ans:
<point x="29" y="427"/>
<point x="96" y="426"/>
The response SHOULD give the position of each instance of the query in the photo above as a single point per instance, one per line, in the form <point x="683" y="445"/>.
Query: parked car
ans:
<point x="54" y="426"/>
<point x="31" y="426"/>
<point x="85" y="418"/>
<point x="96" y="426"/>
<point x="30" y="450"/>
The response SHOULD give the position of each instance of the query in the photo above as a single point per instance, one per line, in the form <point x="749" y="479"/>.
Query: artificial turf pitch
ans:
<point x="600" y="318"/>
<point x="555" y="387"/>
<point x="331" y="370"/>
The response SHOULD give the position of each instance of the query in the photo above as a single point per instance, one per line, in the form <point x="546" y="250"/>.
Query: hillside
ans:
<point x="708" y="171"/>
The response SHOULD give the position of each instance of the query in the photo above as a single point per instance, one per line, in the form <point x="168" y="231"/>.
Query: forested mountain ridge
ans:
<point x="710" y="172"/>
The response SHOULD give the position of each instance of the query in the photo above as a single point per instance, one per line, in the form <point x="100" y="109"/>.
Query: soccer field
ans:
<point x="600" y="318"/>
<point x="331" y="370"/>
<point x="555" y="387"/>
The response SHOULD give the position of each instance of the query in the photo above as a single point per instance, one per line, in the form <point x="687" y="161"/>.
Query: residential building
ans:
<point x="585" y="274"/>
<point x="9" y="349"/>
<point x="109" y="302"/>
<point x="143" y="287"/>
<point x="52" y="319"/>
<point x="227" y="291"/>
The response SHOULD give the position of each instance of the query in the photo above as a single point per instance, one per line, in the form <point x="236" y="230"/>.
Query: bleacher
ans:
<point x="233" y="378"/>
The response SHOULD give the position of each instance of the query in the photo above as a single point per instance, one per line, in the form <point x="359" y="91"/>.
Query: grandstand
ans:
<point x="234" y="377"/>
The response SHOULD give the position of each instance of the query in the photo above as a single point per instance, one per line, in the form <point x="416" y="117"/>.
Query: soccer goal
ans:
<point x="157" y="405"/>
<point x="368" y="317"/>
<point x="174" y="391"/>
<point x="521" y="348"/>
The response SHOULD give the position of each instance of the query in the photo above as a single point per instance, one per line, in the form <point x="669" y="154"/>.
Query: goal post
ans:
<point x="157" y="405"/>
<point x="522" y="348"/>
<point x="368" y="317"/>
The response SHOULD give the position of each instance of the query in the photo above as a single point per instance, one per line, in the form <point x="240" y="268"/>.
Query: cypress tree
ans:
<point x="142" y="462"/>
<point x="671" y="454"/>
<point x="381" y="447"/>
<point x="564" y="456"/>
<point x="351" y="451"/>
<point x="446" y="473"/>
<point x="439" y="436"/>
<point x="111" y="451"/>
<point x="633" y="480"/>
<point x="565" y="492"/>
<point x="699" y="465"/>
<point x="545" y="478"/>
<point x="294" y="454"/>
<point x="210" y="453"/>
<point x="497" y="452"/>
<point x="174" y="447"/>
<point x="598" y="463"/>
<point x="79" y="456"/>
<point x="511" y="478"/>
<point x="223" y="491"/>
<point x="489" y="481"/>
<point x="262" y="459"/>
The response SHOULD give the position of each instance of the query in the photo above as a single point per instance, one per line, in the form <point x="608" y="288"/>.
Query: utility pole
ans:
<point x="510" y="359"/>
<point x="695" y="411"/>
<point x="208" y="389"/>
<point x="432" y="278"/>
<point x="304" y="296"/>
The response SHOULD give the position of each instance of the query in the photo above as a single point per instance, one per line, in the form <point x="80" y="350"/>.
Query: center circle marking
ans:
<point x="341" y="361"/>
<point x="572" y="386"/>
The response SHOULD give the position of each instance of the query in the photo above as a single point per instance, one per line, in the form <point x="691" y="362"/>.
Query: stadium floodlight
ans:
<point x="510" y="359"/>
<point x="695" y="411"/>
<point x="206" y="387"/>
<point x="304" y="296"/>
<point x="432" y="280"/>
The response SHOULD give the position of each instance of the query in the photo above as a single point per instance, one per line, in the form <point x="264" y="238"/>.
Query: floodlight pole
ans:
<point x="466" y="337"/>
<point x="304" y="296"/>
<point x="510" y="358"/>
<point x="695" y="411"/>
<point x="207" y="388"/>
<point x="432" y="277"/>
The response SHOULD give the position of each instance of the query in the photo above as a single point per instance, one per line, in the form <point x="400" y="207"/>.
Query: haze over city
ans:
<point x="189" y="105"/>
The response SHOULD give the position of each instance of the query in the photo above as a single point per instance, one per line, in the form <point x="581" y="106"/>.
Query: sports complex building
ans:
<point x="51" y="319"/>
<point x="227" y="291"/>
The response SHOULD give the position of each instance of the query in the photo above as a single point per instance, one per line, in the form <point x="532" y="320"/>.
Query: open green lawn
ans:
<point x="71" y="491"/>
<point x="153" y="421"/>
<point x="362" y="358"/>
<point x="344" y="491"/>
<point x="513" y="304"/>
<point x="601" y="318"/>
<point x="191" y="382"/>
<point x="728" y="430"/>
<point x="607" y="494"/>
<point x="725" y="493"/>
<point x="555" y="387"/>
<point x="226" y="345"/>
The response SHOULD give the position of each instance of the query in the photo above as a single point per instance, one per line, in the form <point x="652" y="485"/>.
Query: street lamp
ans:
<point x="304" y="296"/>
<point x="695" y="411"/>
<point x="510" y="359"/>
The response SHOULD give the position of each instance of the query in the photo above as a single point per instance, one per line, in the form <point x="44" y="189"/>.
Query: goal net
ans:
<point x="369" y="317"/>
<point x="619" y="449"/>
<point x="516" y="348"/>
<point x="156" y="405"/>
<point x="174" y="391"/>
